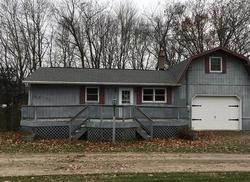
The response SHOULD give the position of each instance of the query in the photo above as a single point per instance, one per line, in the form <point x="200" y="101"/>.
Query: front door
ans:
<point x="126" y="98"/>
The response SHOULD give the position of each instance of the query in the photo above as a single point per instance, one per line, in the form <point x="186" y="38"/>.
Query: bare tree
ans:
<point x="230" y="20"/>
<point x="192" y="29"/>
<point x="140" y="56"/>
<point x="109" y="52"/>
<point x="70" y="20"/>
<point x="163" y="36"/>
<point x="89" y="34"/>
<point x="15" y="47"/>
<point x="36" y="18"/>
<point x="65" y="50"/>
<point x="126" y="17"/>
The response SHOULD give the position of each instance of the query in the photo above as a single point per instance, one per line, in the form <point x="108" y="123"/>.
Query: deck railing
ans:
<point x="121" y="112"/>
<point x="76" y="116"/>
<point x="83" y="116"/>
<point x="165" y="112"/>
<point x="50" y="112"/>
<point x="102" y="112"/>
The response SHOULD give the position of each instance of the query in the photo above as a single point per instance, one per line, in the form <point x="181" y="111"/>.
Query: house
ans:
<point x="209" y="91"/>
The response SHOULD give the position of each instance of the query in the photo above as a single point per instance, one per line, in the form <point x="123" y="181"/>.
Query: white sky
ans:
<point x="148" y="5"/>
<point x="144" y="5"/>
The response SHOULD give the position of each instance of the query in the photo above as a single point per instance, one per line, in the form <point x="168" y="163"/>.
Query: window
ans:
<point x="92" y="94"/>
<point x="125" y="96"/>
<point x="160" y="95"/>
<point x="148" y="95"/>
<point x="156" y="95"/>
<point x="215" y="64"/>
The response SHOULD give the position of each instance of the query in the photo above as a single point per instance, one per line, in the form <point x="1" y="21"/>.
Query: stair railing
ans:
<point x="74" y="118"/>
<point x="145" y="122"/>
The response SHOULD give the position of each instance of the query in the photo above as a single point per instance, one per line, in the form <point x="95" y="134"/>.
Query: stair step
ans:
<point x="143" y="133"/>
<point x="28" y="137"/>
<point x="78" y="133"/>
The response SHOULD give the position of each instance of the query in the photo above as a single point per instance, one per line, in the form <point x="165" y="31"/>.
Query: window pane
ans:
<point x="159" y="91"/>
<point x="92" y="90"/>
<point x="215" y="64"/>
<point x="92" y="94"/>
<point x="148" y="98"/>
<point x="148" y="94"/>
<point x="125" y="101"/>
<point x="159" y="94"/>
<point x="125" y="97"/>
<point x="92" y="97"/>
<point x="160" y="98"/>
<point x="148" y="91"/>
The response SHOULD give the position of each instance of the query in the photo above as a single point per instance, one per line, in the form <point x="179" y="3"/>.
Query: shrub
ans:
<point x="187" y="134"/>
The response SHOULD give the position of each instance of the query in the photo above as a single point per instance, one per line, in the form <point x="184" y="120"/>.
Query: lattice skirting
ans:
<point x="49" y="132"/>
<point x="167" y="131"/>
<point x="52" y="132"/>
<point x="105" y="134"/>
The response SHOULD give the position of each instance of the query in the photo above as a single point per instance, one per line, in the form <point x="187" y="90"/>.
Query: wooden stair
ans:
<point x="76" y="134"/>
<point x="143" y="133"/>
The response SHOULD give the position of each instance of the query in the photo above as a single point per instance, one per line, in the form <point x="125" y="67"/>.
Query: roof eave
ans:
<point x="99" y="83"/>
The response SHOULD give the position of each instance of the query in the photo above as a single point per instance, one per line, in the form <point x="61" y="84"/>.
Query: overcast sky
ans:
<point x="145" y="5"/>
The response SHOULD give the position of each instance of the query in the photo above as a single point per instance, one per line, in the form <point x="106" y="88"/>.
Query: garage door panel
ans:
<point x="195" y="112"/>
<point x="199" y="125"/>
<point x="215" y="113"/>
<point x="233" y="111"/>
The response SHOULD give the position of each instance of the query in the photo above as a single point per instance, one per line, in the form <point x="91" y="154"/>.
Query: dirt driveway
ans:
<point x="48" y="164"/>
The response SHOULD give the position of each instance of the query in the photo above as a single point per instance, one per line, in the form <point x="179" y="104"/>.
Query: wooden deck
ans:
<point x="91" y="120"/>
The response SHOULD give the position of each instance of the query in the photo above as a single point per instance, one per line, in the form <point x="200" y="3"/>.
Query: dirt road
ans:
<point x="48" y="164"/>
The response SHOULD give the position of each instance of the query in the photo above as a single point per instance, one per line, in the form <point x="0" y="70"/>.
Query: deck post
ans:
<point x="35" y="115"/>
<point x="113" y="126"/>
<point x="113" y="130"/>
<point x="101" y="113"/>
<point x="123" y="114"/>
<point x="152" y="130"/>
<point x="70" y="133"/>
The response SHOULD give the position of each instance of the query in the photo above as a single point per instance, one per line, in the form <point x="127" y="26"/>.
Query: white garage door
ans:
<point x="216" y="113"/>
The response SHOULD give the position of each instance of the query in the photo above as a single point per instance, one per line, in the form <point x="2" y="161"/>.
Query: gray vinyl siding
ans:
<point x="179" y="95"/>
<point x="111" y="93"/>
<point x="235" y="82"/>
<point x="70" y="95"/>
<point x="54" y="95"/>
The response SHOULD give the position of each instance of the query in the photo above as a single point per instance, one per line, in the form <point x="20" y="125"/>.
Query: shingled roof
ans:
<point x="170" y="77"/>
<point x="100" y="77"/>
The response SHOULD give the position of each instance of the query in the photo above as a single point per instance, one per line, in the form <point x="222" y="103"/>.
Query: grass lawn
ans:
<point x="219" y="142"/>
<point x="166" y="177"/>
